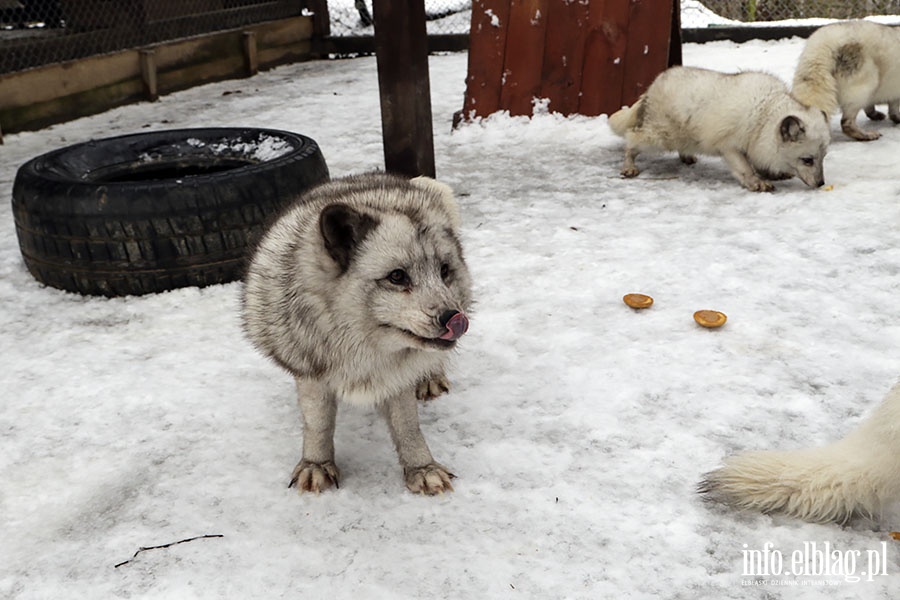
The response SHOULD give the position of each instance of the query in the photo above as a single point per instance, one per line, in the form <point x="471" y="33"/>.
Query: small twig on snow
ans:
<point x="145" y="548"/>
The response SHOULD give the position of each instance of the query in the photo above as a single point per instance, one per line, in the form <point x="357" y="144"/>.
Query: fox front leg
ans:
<point x="744" y="172"/>
<point x="422" y="474"/>
<point x="316" y="470"/>
<point x="432" y="386"/>
<point x="629" y="169"/>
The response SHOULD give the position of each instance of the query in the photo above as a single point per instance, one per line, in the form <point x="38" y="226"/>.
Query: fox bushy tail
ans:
<point x="624" y="119"/>
<point x="814" y="83"/>
<point x="856" y="476"/>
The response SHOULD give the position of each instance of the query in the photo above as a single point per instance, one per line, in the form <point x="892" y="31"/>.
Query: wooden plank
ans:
<point x="42" y="96"/>
<point x="251" y="56"/>
<point x="63" y="79"/>
<point x="647" y="50"/>
<point x="604" y="58"/>
<point x="523" y="62"/>
<point x="148" y="74"/>
<point x="282" y="33"/>
<point x="564" y="55"/>
<point x="64" y="108"/>
<point x="487" y="49"/>
<point x="321" y="22"/>
<point x="675" y="57"/>
<point x="184" y="64"/>
<point x="401" y="50"/>
<point x="280" y="55"/>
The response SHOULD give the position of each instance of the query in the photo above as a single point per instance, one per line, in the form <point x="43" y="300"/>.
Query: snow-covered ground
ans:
<point x="578" y="427"/>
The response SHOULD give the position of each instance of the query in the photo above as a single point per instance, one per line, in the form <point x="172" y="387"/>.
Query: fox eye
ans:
<point x="445" y="271"/>
<point x="808" y="161"/>
<point x="398" y="277"/>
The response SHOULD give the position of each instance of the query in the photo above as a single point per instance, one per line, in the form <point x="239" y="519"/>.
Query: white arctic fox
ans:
<point x="749" y="119"/>
<point x="856" y="476"/>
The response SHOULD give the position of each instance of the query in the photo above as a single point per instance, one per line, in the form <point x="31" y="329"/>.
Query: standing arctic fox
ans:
<point x="856" y="476"/>
<point x="851" y="66"/>
<point x="749" y="119"/>
<point x="360" y="291"/>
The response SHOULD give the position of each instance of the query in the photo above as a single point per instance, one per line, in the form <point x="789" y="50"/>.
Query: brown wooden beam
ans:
<point x="251" y="56"/>
<point x="401" y="51"/>
<point x="148" y="74"/>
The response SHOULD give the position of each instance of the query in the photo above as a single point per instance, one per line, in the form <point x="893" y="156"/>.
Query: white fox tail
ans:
<point x="624" y="119"/>
<point x="814" y="83"/>
<point x="856" y="476"/>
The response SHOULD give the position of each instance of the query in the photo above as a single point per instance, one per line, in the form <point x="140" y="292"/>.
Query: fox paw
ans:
<point x="429" y="480"/>
<point x="630" y="172"/>
<point x="858" y="134"/>
<point x="759" y="185"/>
<point x="314" y="477"/>
<point x="432" y="387"/>
<point x="866" y="136"/>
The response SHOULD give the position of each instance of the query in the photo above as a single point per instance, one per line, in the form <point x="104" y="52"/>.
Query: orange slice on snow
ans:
<point x="710" y="318"/>
<point x="637" y="300"/>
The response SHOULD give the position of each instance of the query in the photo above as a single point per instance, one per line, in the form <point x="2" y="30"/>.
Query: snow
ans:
<point x="455" y="16"/>
<point x="266" y="147"/>
<point x="578" y="427"/>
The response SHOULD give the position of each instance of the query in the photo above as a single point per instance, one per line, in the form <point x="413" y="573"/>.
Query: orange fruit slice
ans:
<point x="637" y="300"/>
<point x="710" y="318"/>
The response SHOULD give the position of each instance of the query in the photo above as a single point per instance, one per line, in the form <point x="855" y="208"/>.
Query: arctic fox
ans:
<point x="851" y="66"/>
<point x="749" y="119"/>
<point x="360" y="291"/>
<point x="856" y="476"/>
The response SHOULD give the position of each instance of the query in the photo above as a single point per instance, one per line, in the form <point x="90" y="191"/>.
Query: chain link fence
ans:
<point x="354" y="17"/>
<point x="736" y="13"/>
<point x="39" y="32"/>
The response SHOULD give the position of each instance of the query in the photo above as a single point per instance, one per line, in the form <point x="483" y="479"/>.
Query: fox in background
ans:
<point x="851" y="66"/>
<point x="749" y="119"/>
<point x="857" y="476"/>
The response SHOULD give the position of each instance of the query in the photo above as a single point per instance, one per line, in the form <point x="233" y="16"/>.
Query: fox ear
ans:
<point x="792" y="129"/>
<point x="442" y="191"/>
<point x="343" y="229"/>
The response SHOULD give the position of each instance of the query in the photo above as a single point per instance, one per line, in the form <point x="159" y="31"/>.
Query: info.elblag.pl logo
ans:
<point x="814" y="563"/>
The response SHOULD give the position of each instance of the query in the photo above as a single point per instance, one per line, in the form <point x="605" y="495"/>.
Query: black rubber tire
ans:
<point x="149" y="212"/>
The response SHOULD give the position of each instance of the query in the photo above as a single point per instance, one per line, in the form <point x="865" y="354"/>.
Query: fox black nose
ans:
<point x="454" y="323"/>
<point x="446" y="316"/>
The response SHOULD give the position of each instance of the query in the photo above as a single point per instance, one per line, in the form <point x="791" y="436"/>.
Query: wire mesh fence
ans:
<point x="712" y="13"/>
<point x="354" y="17"/>
<point x="39" y="32"/>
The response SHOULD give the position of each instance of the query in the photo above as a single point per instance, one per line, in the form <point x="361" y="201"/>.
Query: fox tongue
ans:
<point x="456" y="326"/>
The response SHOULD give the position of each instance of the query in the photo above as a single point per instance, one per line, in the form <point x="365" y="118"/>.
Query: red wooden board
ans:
<point x="604" y="58"/>
<point x="487" y="47"/>
<point x="523" y="62"/>
<point x="647" y="47"/>
<point x="564" y="54"/>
